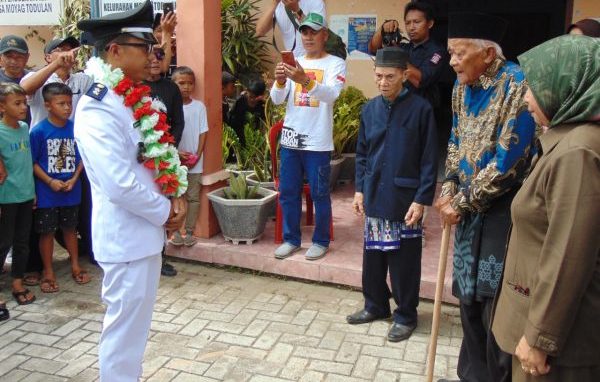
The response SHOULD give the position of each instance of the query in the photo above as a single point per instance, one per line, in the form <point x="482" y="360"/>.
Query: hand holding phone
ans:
<point x="287" y="57"/>
<point x="167" y="7"/>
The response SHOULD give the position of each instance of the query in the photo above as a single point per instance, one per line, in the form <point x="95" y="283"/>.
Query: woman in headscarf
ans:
<point x="548" y="309"/>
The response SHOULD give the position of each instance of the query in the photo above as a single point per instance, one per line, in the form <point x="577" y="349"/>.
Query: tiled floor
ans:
<point x="342" y="265"/>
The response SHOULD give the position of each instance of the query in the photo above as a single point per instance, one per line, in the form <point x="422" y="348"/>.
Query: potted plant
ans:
<point x="346" y="123"/>
<point x="244" y="55"/>
<point x="242" y="211"/>
<point x="262" y="165"/>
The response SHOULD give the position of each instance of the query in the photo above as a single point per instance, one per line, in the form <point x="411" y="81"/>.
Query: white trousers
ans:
<point x="129" y="292"/>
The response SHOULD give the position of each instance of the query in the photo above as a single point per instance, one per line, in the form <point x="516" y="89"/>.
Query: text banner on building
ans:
<point x="30" y="12"/>
<point x="113" y="6"/>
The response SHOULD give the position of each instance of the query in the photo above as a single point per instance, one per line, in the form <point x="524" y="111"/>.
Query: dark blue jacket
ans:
<point x="396" y="155"/>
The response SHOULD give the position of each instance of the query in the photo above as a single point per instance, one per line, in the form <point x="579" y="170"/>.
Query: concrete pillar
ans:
<point x="199" y="47"/>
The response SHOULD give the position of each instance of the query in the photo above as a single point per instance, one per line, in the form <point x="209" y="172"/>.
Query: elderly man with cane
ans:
<point x="489" y="151"/>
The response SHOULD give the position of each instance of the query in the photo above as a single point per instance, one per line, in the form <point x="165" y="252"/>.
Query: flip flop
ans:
<point x="48" y="286"/>
<point x="31" y="280"/>
<point x="81" y="277"/>
<point x="23" y="300"/>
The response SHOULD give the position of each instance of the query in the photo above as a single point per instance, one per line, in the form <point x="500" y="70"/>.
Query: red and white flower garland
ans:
<point x="159" y="153"/>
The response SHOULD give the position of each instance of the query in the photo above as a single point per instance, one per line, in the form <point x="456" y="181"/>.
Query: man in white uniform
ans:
<point x="130" y="214"/>
<point x="282" y="11"/>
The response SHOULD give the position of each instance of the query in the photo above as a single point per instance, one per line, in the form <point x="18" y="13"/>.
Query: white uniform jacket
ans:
<point x="128" y="211"/>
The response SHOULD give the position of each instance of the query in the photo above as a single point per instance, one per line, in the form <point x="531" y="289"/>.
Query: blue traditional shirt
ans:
<point x="489" y="152"/>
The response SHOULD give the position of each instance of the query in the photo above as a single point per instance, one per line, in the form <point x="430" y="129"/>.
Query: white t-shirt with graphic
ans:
<point x="308" y="123"/>
<point x="288" y="32"/>
<point x="194" y="115"/>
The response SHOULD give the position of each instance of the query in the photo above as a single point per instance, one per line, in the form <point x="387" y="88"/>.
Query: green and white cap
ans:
<point x="314" y="21"/>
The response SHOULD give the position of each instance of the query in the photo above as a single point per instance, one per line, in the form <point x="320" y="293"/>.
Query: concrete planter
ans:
<point x="252" y="180"/>
<point x="348" y="168"/>
<point x="242" y="220"/>
<point x="336" y="166"/>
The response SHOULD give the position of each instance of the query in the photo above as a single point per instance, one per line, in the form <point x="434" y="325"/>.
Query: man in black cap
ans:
<point x="396" y="170"/>
<point x="130" y="213"/>
<point x="14" y="54"/>
<point x="489" y="151"/>
<point x="60" y="56"/>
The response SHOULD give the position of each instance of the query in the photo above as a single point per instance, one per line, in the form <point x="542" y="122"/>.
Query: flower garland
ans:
<point x="158" y="152"/>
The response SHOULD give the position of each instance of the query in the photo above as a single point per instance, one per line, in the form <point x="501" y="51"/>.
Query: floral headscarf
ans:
<point x="564" y="77"/>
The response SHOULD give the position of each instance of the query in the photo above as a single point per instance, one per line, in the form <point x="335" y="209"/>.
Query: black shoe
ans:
<point x="448" y="380"/>
<point x="362" y="317"/>
<point x="167" y="270"/>
<point x="399" y="332"/>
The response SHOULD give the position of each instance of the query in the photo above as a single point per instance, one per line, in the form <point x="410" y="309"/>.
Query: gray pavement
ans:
<point x="214" y="324"/>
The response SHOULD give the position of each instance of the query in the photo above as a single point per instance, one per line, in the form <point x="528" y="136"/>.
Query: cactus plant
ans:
<point x="239" y="189"/>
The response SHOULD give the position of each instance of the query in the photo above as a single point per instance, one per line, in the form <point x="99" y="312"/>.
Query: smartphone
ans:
<point x="287" y="56"/>
<point x="167" y="7"/>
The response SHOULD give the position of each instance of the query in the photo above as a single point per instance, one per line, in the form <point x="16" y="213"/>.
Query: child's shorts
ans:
<point x="47" y="220"/>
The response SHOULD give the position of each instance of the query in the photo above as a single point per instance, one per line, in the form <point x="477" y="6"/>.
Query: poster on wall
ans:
<point x="356" y="31"/>
<point x="107" y="7"/>
<point x="30" y="12"/>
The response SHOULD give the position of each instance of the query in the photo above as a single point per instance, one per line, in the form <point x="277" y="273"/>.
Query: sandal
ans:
<point x="31" y="280"/>
<point x="48" y="286"/>
<point x="21" y="297"/>
<point x="81" y="277"/>
<point x="4" y="314"/>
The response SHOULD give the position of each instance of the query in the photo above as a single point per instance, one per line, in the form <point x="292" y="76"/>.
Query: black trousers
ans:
<point x="404" y="266"/>
<point x="15" y="225"/>
<point x="480" y="358"/>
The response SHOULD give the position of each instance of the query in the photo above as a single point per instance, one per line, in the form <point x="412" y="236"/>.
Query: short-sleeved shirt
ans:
<point x="15" y="152"/>
<point x="288" y="31"/>
<point x="53" y="149"/>
<point x="79" y="83"/>
<point x="194" y="114"/>
<point x="5" y="78"/>
<point x="431" y="59"/>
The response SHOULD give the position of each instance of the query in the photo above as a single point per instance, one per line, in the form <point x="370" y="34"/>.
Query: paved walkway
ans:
<point x="214" y="324"/>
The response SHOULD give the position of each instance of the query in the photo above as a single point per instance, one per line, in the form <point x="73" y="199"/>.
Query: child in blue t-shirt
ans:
<point x="16" y="189"/>
<point x="57" y="167"/>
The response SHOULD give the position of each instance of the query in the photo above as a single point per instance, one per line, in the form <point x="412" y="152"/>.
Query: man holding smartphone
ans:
<point x="281" y="12"/>
<point x="311" y="86"/>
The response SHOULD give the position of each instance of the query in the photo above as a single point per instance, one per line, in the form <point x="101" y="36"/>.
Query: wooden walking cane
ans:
<point x="437" y="304"/>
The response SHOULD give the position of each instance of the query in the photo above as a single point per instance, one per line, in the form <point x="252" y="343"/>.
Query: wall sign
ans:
<point x="356" y="31"/>
<point x="106" y="7"/>
<point x="30" y="12"/>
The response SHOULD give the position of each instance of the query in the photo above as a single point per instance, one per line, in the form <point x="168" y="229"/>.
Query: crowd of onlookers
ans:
<point x="497" y="158"/>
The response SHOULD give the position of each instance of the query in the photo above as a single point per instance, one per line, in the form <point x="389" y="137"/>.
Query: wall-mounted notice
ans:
<point x="30" y="12"/>
<point x="356" y="31"/>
